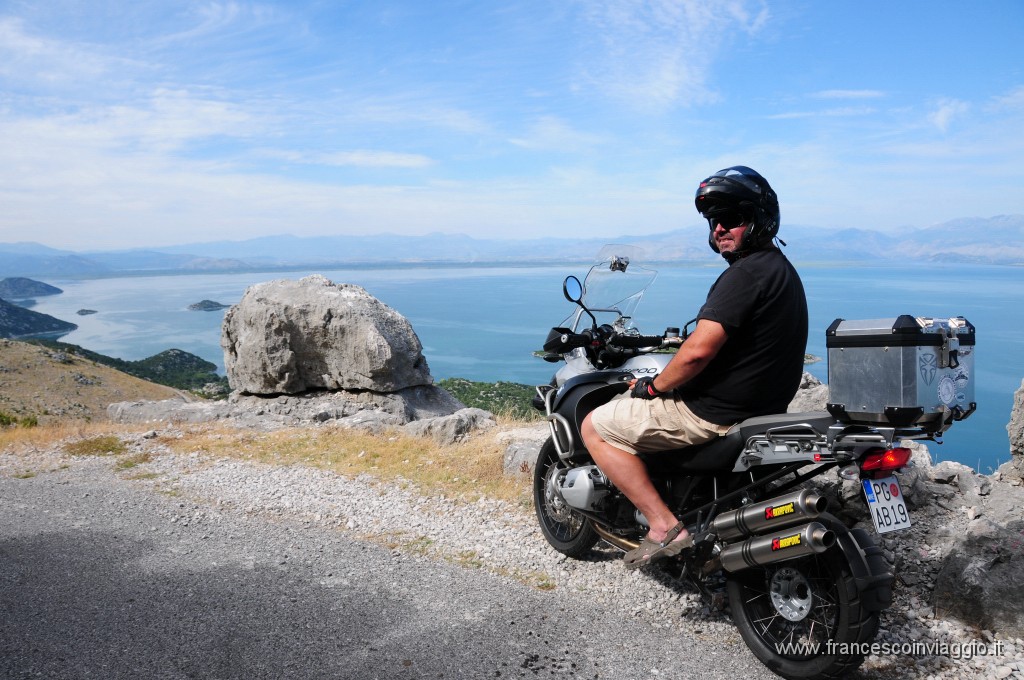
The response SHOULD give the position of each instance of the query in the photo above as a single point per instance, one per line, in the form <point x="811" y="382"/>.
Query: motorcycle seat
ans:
<point x="721" y="454"/>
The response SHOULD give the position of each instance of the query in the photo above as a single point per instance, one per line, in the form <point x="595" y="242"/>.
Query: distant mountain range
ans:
<point x="992" y="240"/>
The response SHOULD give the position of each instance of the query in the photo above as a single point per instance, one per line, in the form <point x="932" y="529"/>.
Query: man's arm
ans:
<point x="696" y="353"/>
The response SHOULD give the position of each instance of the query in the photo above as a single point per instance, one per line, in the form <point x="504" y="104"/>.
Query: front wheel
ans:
<point x="565" y="529"/>
<point x="803" y="618"/>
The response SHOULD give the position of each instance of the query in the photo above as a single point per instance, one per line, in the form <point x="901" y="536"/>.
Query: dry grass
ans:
<point x="54" y="387"/>
<point x="469" y="469"/>
<point x="18" y="439"/>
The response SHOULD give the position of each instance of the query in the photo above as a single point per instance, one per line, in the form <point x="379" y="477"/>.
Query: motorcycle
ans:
<point x="804" y="589"/>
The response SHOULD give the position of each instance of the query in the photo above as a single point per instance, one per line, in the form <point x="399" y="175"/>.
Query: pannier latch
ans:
<point x="948" y="357"/>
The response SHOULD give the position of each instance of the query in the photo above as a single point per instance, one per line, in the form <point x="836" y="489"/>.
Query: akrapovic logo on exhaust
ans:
<point x="785" y="542"/>
<point x="771" y="512"/>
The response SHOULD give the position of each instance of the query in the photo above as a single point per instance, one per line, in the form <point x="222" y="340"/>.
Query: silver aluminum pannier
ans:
<point x="904" y="372"/>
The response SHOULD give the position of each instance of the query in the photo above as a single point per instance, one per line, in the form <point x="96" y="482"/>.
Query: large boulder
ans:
<point x="289" y="337"/>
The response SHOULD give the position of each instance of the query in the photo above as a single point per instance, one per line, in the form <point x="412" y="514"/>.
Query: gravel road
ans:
<point x="204" y="577"/>
<point x="189" y="566"/>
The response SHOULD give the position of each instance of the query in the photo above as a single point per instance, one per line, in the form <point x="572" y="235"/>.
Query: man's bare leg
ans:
<point x="629" y="474"/>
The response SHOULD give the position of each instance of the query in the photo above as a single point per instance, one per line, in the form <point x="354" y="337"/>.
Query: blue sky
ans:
<point x="129" y="124"/>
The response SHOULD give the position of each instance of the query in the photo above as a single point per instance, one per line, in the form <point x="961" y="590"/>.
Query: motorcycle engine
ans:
<point x="584" y="487"/>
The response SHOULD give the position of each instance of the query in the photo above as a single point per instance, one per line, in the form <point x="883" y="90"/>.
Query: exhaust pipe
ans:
<point x="770" y="515"/>
<point x="777" y="547"/>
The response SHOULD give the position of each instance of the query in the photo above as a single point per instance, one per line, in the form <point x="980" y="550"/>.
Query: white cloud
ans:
<point x="946" y="111"/>
<point x="27" y="58"/>
<point x="1011" y="101"/>
<point x="849" y="94"/>
<point x="550" y="133"/>
<point x="845" y="111"/>
<point x="365" y="158"/>
<point x="656" y="54"/>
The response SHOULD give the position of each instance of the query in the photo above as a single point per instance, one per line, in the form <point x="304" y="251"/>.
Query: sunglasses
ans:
<point x="728" y="220"/>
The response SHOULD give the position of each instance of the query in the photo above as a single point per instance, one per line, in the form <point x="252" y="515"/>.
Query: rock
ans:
<point x="288" y="337"/>
<point x="947" y="471"/>
<point x="522" y="445"/>
<point x="85" y="312"/>
<point x="213" y="389"/>
<point x="374" y="422"/>
<point x="168" y="410"/>
<point x="812" y="395"/>
<point x="979" y="580"/>
<point x="1014" y="469"/>
<point x="450" y="429"/>
<point x="347" y="409"/>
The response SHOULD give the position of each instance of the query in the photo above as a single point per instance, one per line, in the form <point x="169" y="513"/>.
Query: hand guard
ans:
<point x="644" y="389"/>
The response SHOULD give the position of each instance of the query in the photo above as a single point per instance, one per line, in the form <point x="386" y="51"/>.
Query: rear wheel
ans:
<point x="565" y="529"/>
<point x="803" y="618"/>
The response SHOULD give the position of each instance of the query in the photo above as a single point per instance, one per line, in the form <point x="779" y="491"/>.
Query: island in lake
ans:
<point x="85" y="312"/>
<point x="207" y="306"/>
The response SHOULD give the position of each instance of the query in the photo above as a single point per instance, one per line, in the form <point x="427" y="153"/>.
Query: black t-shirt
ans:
<point x="760" y="302"/>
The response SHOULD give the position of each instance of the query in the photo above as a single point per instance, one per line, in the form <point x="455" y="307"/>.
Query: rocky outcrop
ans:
<point x="289" y="337"/>
<point x="1013" y="470"/>
<point x="417" y="411"/>
<point x="979" y="581"/>
<point x="522" y="445"/>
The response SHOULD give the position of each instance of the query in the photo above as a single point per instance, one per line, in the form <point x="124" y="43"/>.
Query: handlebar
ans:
<point x="640" y="341"/>
<point x="563" y="340"/>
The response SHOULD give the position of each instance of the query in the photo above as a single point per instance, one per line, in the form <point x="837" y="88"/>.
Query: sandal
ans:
<point x="649" y="552"/>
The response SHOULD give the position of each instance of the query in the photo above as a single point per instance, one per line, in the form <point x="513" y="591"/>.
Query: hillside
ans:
<point x="19" y="288"/>
<point x="16" y="322"/>
<point x="173" y="367"/>
<point x="55" y="386"/>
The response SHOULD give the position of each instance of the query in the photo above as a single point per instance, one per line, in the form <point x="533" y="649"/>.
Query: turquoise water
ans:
<point x="483" y="323"/>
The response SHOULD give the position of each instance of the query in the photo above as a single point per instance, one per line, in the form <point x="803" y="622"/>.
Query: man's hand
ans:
<point x="644" y="389"/>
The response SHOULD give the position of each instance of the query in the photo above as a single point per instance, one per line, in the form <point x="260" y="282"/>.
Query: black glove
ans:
<point x="644" y="389"/>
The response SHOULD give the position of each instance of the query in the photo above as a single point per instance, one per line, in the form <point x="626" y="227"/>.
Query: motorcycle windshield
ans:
<point x="614" y="286"/>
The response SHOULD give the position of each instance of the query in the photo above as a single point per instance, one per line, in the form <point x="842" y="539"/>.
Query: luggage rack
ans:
<point x="904" y="417"/>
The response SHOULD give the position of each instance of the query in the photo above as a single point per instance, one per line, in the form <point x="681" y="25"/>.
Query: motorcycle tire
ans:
<point x="803" y="618"/>
<point x="568" y="532"/>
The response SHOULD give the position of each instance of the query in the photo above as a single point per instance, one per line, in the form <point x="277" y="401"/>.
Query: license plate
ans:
<point x="885" y="502"/>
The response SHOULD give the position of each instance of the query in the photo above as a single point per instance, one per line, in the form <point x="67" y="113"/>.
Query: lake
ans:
<point x="484" y="322"/>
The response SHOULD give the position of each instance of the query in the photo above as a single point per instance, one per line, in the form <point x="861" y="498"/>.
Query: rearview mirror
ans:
<point x="572" y="289"/>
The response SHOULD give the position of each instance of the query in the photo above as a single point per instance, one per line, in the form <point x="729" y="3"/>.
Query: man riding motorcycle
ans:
<point x="744" y="358"/>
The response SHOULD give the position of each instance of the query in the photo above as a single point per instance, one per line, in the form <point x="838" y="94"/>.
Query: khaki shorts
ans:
<point x="647" y="425"/>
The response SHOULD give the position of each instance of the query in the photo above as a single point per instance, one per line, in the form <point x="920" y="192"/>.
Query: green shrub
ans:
<point x="511" y="400"/>
<point x="106" y="445"/>
<point x="7" y="420"/>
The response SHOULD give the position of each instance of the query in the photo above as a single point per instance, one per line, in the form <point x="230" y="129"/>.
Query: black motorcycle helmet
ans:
<point x="740" y="189"/>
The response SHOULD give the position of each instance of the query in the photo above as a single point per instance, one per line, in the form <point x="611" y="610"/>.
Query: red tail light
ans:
<point x="886" y="460"/>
